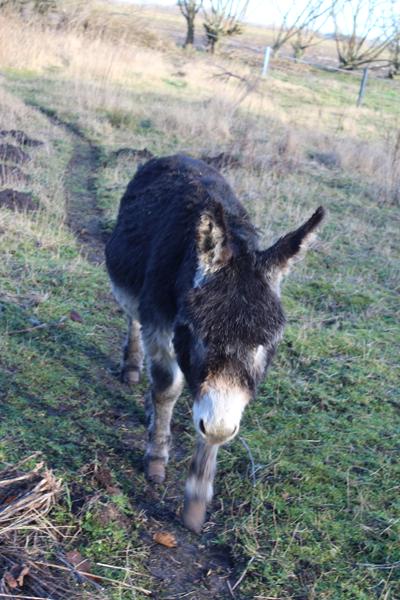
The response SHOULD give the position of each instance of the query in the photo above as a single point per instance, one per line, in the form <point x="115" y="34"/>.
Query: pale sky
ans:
<point x="264" y="12"/>
<point x="258" y="11"/>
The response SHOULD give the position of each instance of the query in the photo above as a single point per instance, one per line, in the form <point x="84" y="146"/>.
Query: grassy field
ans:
<point x="319" y="516"/>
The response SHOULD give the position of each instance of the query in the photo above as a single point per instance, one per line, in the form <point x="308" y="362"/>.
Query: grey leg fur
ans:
<point x="132" y="358"/>
<point x="166" y="386"/>
<point x="199" y="485"/>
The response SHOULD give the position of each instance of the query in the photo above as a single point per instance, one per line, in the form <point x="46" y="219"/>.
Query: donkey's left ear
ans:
<point x="214" y="249"/>
<point x="277" y="258"/>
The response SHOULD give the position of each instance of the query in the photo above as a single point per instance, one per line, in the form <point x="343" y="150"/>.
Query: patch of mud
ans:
<point x="10" y="174"/>
<point x="10" y="153"/>
<point x="84" y="217"/>
<point x="190" y="571"/>
<point x="15" y="200"/>
<point x="224" y="160"/>
<point x="195" y="568"/>
<point x="20" y="137"/>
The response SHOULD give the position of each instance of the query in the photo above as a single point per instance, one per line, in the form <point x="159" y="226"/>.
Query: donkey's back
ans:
<point x="154" y="239"/>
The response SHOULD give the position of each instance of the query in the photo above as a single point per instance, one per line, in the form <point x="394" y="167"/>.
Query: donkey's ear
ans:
<point x="214" y="248"/>
<point x="278" y="258"/>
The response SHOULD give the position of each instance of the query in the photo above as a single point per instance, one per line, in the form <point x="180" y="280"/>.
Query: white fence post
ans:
<point x="363" y="85"/>
<point x="267" y="56"/>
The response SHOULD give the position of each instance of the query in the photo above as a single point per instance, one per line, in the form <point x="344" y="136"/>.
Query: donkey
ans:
<point x="203" y="300"/>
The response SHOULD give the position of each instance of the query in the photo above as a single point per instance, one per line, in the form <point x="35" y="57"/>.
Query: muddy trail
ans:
<point x="197" y="568"/>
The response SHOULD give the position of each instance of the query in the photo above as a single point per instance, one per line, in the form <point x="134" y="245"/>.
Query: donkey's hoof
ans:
<point x="194" y="514"/>
<point x="155" y="470"/>
<point x="130" y="376"/>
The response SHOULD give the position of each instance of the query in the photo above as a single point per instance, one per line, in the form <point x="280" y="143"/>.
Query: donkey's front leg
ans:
<point x="166" y="387"/>
<point x="199" y="485"/>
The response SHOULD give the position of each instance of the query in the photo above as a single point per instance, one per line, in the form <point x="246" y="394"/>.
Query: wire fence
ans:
<point x="266" y="64"/>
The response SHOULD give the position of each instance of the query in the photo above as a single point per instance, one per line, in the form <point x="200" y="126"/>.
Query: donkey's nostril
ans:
<point x="202" y="428"/>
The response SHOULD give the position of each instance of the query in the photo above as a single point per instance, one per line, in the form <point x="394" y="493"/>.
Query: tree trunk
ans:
<point x="211" y="44"/>
<point x="189" y="32"/>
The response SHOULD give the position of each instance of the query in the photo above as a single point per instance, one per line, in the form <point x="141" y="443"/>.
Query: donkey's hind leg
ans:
<point x="166" y="386"/>
<point x="132" y="357"/>
<point x="132" y="354"/>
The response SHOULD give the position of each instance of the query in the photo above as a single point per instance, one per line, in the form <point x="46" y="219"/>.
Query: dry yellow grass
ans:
<point x="45" y="184"/>
<point x="208" y="103"/>
<point x="107" y="61"/>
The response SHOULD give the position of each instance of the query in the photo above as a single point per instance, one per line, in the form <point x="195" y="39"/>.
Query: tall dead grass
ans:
<point x="114" y="84"/>
<point x="45" y="177"/>
<point x="376" y="162"/>
<point x="26" y="46"/>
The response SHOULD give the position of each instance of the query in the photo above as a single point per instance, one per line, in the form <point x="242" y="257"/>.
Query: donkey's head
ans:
<point x="232" y="321"/>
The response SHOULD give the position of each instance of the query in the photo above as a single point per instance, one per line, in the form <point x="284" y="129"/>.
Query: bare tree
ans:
<point x="394" y="46"/>
<point x="303" y="39"/>
<point x="394" y="57"/>
<point x="189" y="9"/>
<point x="299" y="22"/>
<point x="362" y="32"/>
<point x="223" y="18"/>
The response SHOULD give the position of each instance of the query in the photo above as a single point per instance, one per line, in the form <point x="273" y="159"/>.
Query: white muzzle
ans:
<point x="217" y="412"/>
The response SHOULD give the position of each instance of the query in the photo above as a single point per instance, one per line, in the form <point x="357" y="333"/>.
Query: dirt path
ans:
<point x="83" y="215"/>
<point x="196" y="569"/>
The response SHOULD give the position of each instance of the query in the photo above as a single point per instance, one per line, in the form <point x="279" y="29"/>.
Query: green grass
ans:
<point x="321" y="517"/>
<point x="53" y="381"/>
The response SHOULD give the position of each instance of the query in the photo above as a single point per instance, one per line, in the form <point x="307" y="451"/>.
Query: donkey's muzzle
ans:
<point x="217" y="413"/>
<point x="216" y="435"/>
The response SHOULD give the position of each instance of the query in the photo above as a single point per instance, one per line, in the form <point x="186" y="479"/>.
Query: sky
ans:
<point x="262" y="12"/>
<point x="258" y="11"/>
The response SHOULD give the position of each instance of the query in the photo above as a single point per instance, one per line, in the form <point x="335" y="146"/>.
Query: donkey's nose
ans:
<point x="210" y="431"/>
<point x="217" y="411"/>
<point x="216" y="434"/>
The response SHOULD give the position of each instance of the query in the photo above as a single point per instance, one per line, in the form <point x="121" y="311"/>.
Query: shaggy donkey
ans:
<point x="186" y="267"/>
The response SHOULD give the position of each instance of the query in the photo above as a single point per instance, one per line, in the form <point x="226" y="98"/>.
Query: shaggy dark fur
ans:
<point x="152" y="251"/>
<point x="185" y="249"/>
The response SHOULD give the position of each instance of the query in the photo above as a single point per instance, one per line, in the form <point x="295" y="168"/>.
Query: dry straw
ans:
<point x="26" y="535"/>
<point x="28" y="539"/>
<point x="26" y="497"/>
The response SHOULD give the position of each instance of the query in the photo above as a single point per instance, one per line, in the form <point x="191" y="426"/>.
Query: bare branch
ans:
<point x="394" y="46"/>
<point x="223" y="18"/>
<point x="369" y="35"/>
<point x="300" y="21"/>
